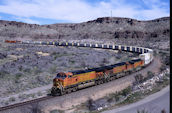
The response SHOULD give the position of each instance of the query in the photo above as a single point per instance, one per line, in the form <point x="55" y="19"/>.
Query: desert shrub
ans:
<point x="55" y="111"/>
<point x="139" y="78"/>
<point x="150" y="74"/>
<point x="20" y="68"/>
<point x="37" y="71"/>
<point x="105" y="61"/>
<point x="12" y="99"/>
<point x="41" y="80"/>
<point x="132" y="98"/>
<point x="72" y="61"/>
<point x="126" y="91"/>
<point x="22" y="96"/>
<point x="110" y="99"/>
<point x="27" y="70"/>
<point x="162" y="68"/>
<point x="83" y="64"/>
<point x="91" y="105"/>
<point x="117" y="97"/>
<point x="6" y="102"/>
<point x="32" y="95"/>
<point x="54" y="53"/>
<point x="18" y="75"/>
<point x="39" y="93"/>
<point x="3" y="73"/>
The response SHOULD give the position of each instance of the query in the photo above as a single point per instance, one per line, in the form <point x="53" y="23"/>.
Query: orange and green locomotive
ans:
<point x="74" y="80"/>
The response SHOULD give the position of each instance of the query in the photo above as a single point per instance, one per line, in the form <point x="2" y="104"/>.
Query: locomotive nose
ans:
<point x="56" y="82"/>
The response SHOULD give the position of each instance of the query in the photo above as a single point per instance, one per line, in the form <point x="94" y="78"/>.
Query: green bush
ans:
<point x="72" y="61"/>
<point x="3" y="73"/>
<point x="18" y="75"/>
<point x="56" y="111"/>
<point x="23" y="96"/>
<point x="139" y="78"/>
<point x="12" y="99"/>
<point x="32" y="95"/>
<point x="27" y="70"/>
<point x="117" y="97"/>
<point x="150" y="74"/>
<point x="6" y="103"/>
<point x="126" y="91"/>
<point x="39" y="93"/>
<point x="132" y="98"/>
<point x="37" y="71"/>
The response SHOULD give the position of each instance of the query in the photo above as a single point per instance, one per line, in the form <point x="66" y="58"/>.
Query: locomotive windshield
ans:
<point x="61" y="76"/>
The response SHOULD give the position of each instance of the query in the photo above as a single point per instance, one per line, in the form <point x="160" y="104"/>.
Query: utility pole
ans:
<point x="111" y="15"/>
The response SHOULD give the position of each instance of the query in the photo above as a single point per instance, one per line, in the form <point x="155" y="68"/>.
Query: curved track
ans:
<point x="139" y="50"/>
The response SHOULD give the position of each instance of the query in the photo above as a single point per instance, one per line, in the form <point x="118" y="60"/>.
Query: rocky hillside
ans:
<point x="106" y="29"/>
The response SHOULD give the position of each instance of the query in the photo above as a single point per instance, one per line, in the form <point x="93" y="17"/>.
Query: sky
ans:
<point x="76" y="11"/>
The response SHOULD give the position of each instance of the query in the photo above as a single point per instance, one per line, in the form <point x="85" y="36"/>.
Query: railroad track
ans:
<point x="25" y="103"/>
<point x="139" y="50"/>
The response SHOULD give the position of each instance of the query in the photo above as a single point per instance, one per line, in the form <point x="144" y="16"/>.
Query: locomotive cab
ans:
<point x="59" y="83"/>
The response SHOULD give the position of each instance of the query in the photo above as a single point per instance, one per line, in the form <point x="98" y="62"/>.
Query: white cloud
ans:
<point x="79" y="10"/>
<point x="27" y="20"/>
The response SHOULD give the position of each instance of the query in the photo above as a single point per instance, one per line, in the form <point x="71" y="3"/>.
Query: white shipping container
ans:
<point x="146" y="57"/>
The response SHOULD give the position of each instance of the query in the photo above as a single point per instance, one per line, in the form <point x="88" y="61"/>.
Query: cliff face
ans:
<point x="101" y="29"/>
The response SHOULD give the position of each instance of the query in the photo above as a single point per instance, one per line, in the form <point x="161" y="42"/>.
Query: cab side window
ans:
<point x="69" y="76"/>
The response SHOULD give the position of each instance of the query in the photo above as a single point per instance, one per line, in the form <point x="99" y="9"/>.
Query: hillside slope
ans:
<point x="106" y="29"/>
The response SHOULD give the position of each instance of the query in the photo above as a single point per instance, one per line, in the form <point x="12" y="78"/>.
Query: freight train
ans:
<point x="66" y="82"/>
